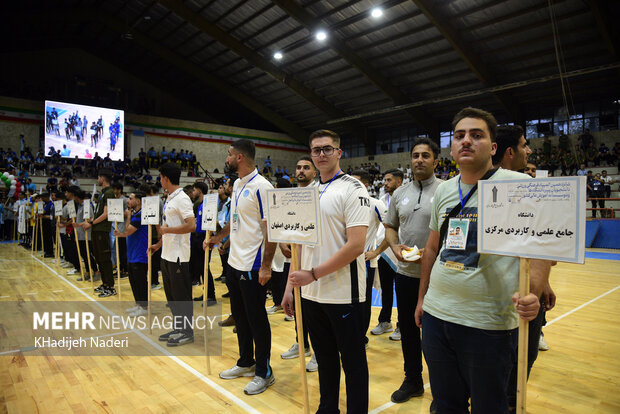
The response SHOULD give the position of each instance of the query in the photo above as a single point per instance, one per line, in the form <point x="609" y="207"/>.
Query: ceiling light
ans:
<point x="321" y="35"/>
<point x="376" y="12"/>
<point x="277" y="56"/>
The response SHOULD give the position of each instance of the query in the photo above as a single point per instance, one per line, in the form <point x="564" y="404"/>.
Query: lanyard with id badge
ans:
<point x="234" y="219"/>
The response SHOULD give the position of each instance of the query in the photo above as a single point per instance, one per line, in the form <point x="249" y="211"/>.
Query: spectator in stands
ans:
<point x="582" y="170"/>
<point x="597" y="191"/>
<point x="607" y="181"/>
<point x="152" y="158"/>
<point x="603" y="153"/>
<point x="569" y="165"/>
<point x="616" y="155"/>
<point x="592" y="155"/>
<point x="585" y="139"/>
<point x="163" y="155"/>
<point x="563" y="142"/>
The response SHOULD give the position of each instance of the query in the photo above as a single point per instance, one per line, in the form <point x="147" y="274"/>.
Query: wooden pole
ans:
<point x="300" y="331"/>
<point x="57" y="234"/>
<point x="118" y="262"/>
<point x="524" y="290"/>
<point x="204" y="298"/>
<point x="34" y="233"/>
<point x="41" y="231"/>
<point x="77" y="244"/>
<point x="90" y="266"/>
<point x="148" y="275"/>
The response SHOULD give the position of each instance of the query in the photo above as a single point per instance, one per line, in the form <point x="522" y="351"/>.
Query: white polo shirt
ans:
<point x="247" y="208"/>
<point x="344" y="203"/>
<point x="177" y="208"/>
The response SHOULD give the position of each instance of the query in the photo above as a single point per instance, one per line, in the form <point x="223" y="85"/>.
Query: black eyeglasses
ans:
<point x="328" y="150"/>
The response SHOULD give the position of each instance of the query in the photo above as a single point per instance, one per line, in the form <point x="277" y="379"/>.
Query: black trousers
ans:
<point x="406" y="301"/>
<point x="155" y="266"/>
<point x="70" y="250"/>
<point x="370" y="278"/>
<point x="84" y="256"/>
<point x="48" y="239"/>
<point x="247" y="302"/>
<point x="178" y="288"/>
<point x="101" y="250"/>
<point x="337" y="334"/>
<point x="138" y="282"/>
<point x="386" y="276"/>
<point x="122" y="253"/>
<point x="278" y="284"/>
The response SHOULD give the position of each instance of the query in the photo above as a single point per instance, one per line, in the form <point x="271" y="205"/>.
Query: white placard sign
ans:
<point x="150" y="210"/>
<point x="58" y="208"/>
<point x="71" y="209"/>
<point x="540" y="219"/>
<point x="293" y="215"/>
<point x="115" y="210"/>
<point x="209" y="212"/>
<point x="542" y="173"/>
<point x="40" y="207"/>
<point x="21" y="216"/>
<point x="87" y="209"/>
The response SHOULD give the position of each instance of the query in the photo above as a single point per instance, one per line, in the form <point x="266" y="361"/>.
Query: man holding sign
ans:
<point x="250" y="269"/>
<point x="100" y="235"/>
<point x="178" y="223"/>
<point x="466" y="302"/>
<point x="333" y="279"/>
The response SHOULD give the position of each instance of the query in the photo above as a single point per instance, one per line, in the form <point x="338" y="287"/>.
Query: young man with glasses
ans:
<point x="333" y="280"/>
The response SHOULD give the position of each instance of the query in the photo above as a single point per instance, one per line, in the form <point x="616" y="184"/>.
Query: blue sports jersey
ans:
<point x="137" y="243"/>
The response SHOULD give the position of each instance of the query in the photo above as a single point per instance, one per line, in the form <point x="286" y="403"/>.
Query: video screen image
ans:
<point x="84" y="130"/>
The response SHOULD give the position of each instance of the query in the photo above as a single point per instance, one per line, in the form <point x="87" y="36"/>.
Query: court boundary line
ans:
<point x="583" y="305"/>
<point x="216" y="387"/>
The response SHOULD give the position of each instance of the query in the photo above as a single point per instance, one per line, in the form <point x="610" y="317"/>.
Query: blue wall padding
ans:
<point x="607" y="236"/>
<point x="592" y="227"/>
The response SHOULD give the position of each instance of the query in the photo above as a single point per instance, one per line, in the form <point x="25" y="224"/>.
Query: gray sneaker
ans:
<point x="259" y="384"/>
<point x="293" y="352"/>
<point x="395" y="336"/>
<point x="312" y="365"/>
<point x="237" y="371"/>
<point x="382" y="328"/>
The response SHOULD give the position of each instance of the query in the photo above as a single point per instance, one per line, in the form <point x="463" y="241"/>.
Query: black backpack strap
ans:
<point x="457" y="209"/>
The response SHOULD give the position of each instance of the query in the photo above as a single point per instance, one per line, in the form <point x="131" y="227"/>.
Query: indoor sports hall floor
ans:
<point x="579" y="374"/>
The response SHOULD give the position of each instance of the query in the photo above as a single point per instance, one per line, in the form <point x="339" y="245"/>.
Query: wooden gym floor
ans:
<point x="579" y="374"/>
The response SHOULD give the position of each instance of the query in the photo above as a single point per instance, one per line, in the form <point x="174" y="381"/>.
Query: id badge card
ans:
<point x="234" y="222"/>
<point x="457" y="234"/>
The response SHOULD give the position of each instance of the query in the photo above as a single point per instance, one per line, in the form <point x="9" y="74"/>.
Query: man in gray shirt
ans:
<point x="406" y="225"/>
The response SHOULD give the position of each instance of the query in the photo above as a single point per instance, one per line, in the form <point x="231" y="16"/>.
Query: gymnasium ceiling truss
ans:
<point x="383" y="63"/>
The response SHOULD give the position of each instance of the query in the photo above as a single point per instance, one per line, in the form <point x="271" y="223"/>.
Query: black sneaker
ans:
<point x="226" y="295"/>
<point x="211" y="302"/>
<point x="99" y="289"/>
<point x="195" y="282"/>
<point x="218" y="279"/>
<point x="433" y="408"/>
<point x="198" y="299"/>
<point x="181" y="339"/>
<point x="168" y="335"/>
<point x="108" y="291"/>
<point x="407" y="390"/>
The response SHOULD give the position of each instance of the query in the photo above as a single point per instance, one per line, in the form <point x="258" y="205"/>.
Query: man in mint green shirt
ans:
<point x="467" y="305"/>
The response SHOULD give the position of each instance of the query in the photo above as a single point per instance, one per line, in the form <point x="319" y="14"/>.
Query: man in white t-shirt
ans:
<point x="387" y="264"/>
<point x="249" y="262"/>
<point x="333" y="280"/>
<point x="178" y="223"/>
<point x="378" y="210"/>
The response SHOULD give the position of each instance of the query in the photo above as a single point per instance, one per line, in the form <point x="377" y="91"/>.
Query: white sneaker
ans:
<point x="382" y="328"/>
<point x="289" y="318"/>
<point x="237" y="371"/>
<point x="293" y="352"/>
<point x="542" y="344"/>
<point x="274" y="309"/>
<point x="312" y="365"/>
<point x="395" y="336"/>
<point x="135" y="308"/>
<point x="73" y="272"/>
<point x="66" y="265"/>
<point x="139" y="312"/>
<point x="259" y="384"/>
